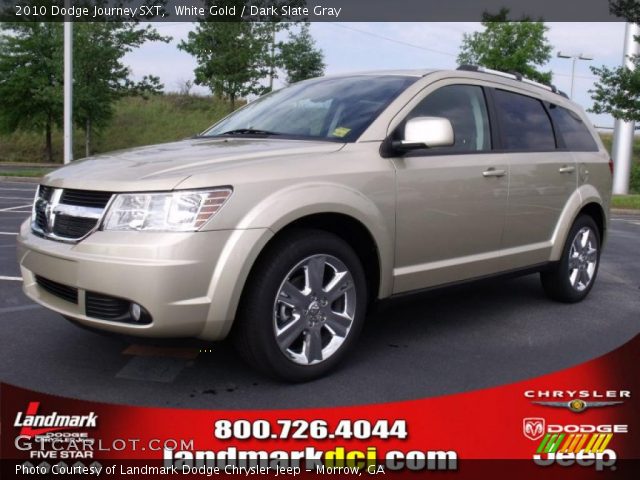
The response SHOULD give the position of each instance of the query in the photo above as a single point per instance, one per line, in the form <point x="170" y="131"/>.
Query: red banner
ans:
<point x="581" y="422"/>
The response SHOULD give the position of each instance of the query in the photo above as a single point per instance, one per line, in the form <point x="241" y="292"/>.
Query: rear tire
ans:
<point x="571" y="279"/>
<point x="303" y="307"/>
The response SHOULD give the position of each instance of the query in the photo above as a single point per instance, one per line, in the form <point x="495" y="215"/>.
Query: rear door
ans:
<point x="574" y="136"/>
<point x="542" y="177"/>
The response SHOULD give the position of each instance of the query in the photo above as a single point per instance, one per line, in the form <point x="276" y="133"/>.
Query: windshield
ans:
<point x="336" y="109"/>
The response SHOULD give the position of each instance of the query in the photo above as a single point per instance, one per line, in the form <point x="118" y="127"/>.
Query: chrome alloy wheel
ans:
<point x="583" y="259"/>
<point x="314" y="309"/>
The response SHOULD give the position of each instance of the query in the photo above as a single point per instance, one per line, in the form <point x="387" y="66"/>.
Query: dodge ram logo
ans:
<point x="533" y="428"/>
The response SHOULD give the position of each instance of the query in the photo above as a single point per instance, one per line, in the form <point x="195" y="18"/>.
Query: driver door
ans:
<point x="451" y="201"/>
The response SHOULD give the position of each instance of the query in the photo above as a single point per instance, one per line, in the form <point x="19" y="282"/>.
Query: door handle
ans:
<point x="567" y="169"/>
<point x="492" y="172"/>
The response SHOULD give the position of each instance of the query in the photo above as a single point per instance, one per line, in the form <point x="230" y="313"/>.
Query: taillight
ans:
<point x="611" y="165"/>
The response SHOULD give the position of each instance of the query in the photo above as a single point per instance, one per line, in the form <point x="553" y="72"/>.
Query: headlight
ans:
<point x="181" y="211"/>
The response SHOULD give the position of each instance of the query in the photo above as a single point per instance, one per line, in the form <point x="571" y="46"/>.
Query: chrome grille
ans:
<point x="40" y="219"/>
<point x="73" y="227"/>
<point x="85" y="198"/>
<point x="45" y="192"/>
<point x="66" y="214"/>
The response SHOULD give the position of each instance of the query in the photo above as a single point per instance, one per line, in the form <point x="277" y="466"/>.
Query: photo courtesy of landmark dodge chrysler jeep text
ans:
<point x="284" y="221"/>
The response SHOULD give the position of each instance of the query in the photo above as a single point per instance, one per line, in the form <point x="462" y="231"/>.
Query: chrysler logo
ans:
<point x="578" y="405"/>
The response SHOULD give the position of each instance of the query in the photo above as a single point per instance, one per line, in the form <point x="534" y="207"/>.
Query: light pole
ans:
<point x="574" y="58"/>
<point x="623" y="134"/>
<point x="68" y="86"/>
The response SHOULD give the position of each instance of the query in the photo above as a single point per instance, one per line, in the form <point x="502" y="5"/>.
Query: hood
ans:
<point x="165" y="166"/>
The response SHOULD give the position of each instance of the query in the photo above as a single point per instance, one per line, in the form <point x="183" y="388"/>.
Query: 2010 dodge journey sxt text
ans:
<point x="284" y="221"/>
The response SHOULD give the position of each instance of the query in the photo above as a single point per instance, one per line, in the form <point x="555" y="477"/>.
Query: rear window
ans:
<point x="524" y="123"/>
<point x="574" y="132"/>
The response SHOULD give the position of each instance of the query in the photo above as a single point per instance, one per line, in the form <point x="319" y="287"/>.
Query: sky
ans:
<point x="351" y="47"/>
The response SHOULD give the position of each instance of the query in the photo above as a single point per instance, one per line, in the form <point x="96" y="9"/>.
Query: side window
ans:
<point x="524" y="123"/>
<point x="465" y="107"/>
<point x="574" y="132"/>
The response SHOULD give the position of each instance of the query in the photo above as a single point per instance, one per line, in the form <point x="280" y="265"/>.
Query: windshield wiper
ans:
<point x="249" y="131"/>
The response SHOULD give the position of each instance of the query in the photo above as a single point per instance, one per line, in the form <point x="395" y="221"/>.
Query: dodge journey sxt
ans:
<point x="284" y="221"/>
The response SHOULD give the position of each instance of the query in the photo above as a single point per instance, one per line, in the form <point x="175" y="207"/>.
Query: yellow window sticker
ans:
<point x="341" y="132"/>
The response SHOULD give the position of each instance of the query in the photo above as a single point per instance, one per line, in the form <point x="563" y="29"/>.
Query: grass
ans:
<point x="607" y="139"/>
<point x="627" y="202"/>
<point x="158" y="119"/>
<point x="24" y="172"/>
<point x="136" y="122"/>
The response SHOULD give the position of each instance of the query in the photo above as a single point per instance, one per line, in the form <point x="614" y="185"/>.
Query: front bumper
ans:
<point x="190" y="283"/>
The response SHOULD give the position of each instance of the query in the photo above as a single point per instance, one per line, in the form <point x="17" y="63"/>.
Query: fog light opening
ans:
<point x="136" y="312"/>
<point x="115" y="309"/>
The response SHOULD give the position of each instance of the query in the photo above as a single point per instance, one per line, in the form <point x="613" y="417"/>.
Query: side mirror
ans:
<point x="426" y="132"/>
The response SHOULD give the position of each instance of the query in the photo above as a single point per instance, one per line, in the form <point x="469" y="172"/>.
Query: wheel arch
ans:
<point x="585" y="200"/>
<point x="367" y="226"/>
<point x="353" y="232"/>
<point x="596" y="212"/>
<point x="342" y="211"/>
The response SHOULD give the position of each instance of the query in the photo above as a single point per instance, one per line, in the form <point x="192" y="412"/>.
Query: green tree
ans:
<point x="509" y="46"/>
<point x="31" y="79"/>
<point x="100" y="76"/>
<point x="617" y="91"/>
<point x="235" y="57"/>
<point x="232" y="57"/>
<point x="627" y="9"/>
<point x="299" y="56"/>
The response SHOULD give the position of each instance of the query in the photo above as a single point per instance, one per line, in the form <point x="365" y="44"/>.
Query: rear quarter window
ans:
<point x="575" y="134"/>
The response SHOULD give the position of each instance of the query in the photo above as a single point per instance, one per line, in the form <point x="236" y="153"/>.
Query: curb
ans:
<point x="9" y="178"/>
<point x="31" y="165"/>
<point x="625" y="211"/>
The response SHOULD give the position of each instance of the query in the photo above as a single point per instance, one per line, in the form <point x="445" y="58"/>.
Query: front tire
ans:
<point x="303" y="307"/>
<point x="571" y="279"/>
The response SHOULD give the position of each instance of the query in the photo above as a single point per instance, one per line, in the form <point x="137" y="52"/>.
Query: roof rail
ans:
<point x="512" y="75"/>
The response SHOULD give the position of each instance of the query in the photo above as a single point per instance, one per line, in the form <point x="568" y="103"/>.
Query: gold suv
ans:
<point x="281" y="223"/>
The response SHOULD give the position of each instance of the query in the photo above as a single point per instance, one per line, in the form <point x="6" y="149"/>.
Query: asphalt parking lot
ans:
<point x="443" y="342"/>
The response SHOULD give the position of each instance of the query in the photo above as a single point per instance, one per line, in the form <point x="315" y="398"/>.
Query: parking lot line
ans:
<point x="11" y="279"/>
<point x="19" y="308"/>
<point x="8" y="233"/>
<point x="8" y="209"/>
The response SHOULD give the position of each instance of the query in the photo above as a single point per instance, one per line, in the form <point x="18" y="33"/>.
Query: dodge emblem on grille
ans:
<point x="50" y="208"/>
<point x="50" y="216"/>
<point x="66" y="219"/>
